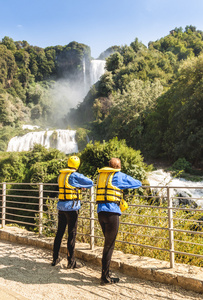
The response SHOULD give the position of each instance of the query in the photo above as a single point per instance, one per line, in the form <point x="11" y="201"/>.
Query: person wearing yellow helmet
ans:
<point x="74" y="162"/>
<point x="70" y="183"/>
<point x="109" y="197"/>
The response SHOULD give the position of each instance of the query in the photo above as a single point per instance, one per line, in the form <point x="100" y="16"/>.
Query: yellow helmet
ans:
<point x="123" y="205"/>
<point x="74" y="162"/>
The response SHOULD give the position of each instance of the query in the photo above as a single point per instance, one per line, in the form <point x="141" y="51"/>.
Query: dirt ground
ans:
<point x="26" y="270"/>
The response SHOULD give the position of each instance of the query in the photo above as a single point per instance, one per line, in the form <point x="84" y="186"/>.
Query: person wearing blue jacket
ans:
<point x="70" y="184"/>
<point x="109" y="197"/>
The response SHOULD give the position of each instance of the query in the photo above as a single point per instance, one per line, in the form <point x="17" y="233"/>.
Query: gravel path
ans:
<point x="27" y="271"/>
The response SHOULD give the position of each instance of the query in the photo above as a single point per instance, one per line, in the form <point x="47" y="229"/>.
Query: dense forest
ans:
<point x="151" y="97"/>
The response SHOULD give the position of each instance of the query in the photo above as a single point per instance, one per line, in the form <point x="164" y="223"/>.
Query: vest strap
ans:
<point x="117" y="202"/>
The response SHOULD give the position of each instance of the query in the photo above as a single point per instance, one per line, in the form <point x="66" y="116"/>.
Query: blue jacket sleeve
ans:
<point x="79" y="180"/>
<point x="123" y="181"/>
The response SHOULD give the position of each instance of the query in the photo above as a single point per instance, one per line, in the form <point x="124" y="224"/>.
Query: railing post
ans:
<point x="3" y="204"/>
<point x="170" y="226"/>
<point x="40" y="207"/>
<point x="92" y="218"/>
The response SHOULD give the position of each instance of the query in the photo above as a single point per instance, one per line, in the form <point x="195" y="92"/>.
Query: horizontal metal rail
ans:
<point x="146" y="216"/>
<point x="188" y="220"/>
<point x="22" y="222"/>
<point x="144" y="226"/>
<point x="187" y="209"/>
<point x="186" y="242"/>
<point x="21" y="216"/>
<point x="23" y="209"/>
<point x="148" y="206"/>
<point x="21" y="196"/>
<point x="185" y="253"/>
<point x="144" y="235"/>
<point x="17" y="202"/>
<point x="186" y="231"/>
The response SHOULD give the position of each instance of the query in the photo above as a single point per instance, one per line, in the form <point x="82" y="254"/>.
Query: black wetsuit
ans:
<point x="65" y="218"/>
<point x="109" y="223"/>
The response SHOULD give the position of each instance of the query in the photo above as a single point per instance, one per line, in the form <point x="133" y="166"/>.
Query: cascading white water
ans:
<point x="65" y="141"/>
<point x="31" y="127"/>
<point x="161" y="178"/>
<point x="84" y="75"/>
<point x="97" y="69"/>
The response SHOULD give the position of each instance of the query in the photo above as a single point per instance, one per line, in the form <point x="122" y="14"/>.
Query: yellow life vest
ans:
<point x="106" y="192"/>
<point x="67" y="192"/>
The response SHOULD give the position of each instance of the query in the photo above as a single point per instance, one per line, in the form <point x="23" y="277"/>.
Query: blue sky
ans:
<point x="98" y="24"/>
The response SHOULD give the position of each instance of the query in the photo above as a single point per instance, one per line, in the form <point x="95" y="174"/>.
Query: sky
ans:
<point x="97" y="24"/>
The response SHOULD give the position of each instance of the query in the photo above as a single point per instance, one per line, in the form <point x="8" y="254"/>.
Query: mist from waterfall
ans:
<point x="67" y="93"/>
<point x="63" y="140"/>
<point x="64" y="95"/>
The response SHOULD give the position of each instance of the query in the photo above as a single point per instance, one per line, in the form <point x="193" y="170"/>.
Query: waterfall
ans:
<point x="84" y="75"/>
<point x="161" y="178"/>
<point x="63" y="140"/>
<point x="92" y="72"/>
<point x="97" y="69"/>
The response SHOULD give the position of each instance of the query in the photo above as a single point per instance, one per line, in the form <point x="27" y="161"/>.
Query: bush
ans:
<point x="3" y="146"/>
<point x="97" y="155"/>
<point x="38" y="165"/>
<point x="182" y="164"/>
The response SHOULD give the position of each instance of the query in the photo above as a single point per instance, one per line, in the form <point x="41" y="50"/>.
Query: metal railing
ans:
<point x="152" y="222"/>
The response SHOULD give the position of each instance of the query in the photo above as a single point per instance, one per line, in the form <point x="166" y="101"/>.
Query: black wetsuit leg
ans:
<point x="109" y="223"/>
<point x="65" y="218"/>
<point x="62" y="222"/>
<point x="72" y="219"/>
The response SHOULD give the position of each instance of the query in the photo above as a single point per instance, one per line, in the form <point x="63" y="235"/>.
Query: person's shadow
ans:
<point x="35" y="272"/>
<point x="30" y="268"/>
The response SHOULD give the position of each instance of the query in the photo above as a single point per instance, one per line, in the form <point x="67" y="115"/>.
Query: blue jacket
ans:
<point x="77" y="180"/>
<point x="121" y="181"/>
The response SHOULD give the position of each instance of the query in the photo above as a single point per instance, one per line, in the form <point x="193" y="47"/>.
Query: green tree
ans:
<point x="136" y="45"/>
<point x="106" y="84"/>
<point x="8" y="67"/>
<point x="175" y="126"/>
<point x="12" y="110"/>
<point x="69" y="62"/>
<point x="183" y="44"/>
<point x="129" y="110"/>
<point x="114" y="62"/>
<point x="9" y="43"/>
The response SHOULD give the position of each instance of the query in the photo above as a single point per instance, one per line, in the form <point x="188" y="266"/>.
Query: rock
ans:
<point x="183" y="200"/>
